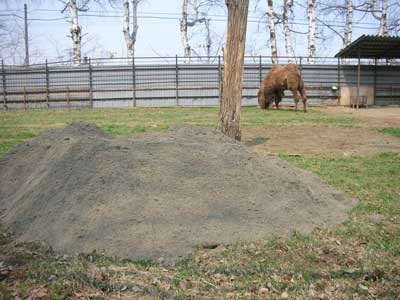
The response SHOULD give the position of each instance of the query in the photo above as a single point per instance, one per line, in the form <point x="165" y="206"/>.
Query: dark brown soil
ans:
<point x="156" y="194"/>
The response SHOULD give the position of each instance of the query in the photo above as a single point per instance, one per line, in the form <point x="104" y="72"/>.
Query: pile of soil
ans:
<point x="155" y="194"/>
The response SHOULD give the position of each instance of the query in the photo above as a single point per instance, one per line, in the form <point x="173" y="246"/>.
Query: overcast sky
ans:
<point x="158" y="33"/>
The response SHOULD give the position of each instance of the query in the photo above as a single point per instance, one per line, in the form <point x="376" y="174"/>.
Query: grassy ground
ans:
<point x="359" y="259"/>
<point x="392" y="131"/>
<point x="19" y="126"/>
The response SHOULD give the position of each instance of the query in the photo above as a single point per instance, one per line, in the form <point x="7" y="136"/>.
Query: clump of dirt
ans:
<point x="156" y="194"/>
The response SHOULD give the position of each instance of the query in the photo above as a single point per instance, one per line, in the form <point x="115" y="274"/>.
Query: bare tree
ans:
<point x="311" y="31"/>
<point x="287" y="6"/>
<point x="76" y="30"/>
<point x="339" y="9"/>
<point x="130" y="35"/>
<point x="272" y="34"/>
<point x="349" y="23"/>
<point x="382" y="17"/>
<point x="229" y="114"/>
<point x="11" y="42"/>
<point x="185" y="24"/>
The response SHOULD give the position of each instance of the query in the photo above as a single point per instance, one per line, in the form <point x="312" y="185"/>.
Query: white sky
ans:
<point x="156" y="37"/>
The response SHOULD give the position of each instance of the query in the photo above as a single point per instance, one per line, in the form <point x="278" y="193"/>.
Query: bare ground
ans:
<point x="311" y="140"/>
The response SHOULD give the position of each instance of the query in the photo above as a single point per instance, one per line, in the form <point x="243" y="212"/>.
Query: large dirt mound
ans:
<point x="157" y="194"/>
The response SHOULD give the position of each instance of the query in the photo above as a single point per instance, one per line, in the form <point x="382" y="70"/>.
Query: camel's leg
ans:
<point x="296" y="99"/>
<point x="261" y="99"/>
<point x="303" y="97"/>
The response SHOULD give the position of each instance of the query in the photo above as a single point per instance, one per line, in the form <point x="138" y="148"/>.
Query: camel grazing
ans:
<point x="279" y="79"/>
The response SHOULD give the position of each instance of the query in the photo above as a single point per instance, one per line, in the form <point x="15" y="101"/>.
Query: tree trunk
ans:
<point x="349" y="23"/>
<point x="229" y="115"/>
<point x="272" y="35"/>
<point x="383" y="22"/>
<point x="184" y="32"/>
<point x="311" y="31"/>
<point x="287" y="4"/>
<point x="130" y="36"/>
<point x="75" y="32"/>
<point x="382" y="18"/>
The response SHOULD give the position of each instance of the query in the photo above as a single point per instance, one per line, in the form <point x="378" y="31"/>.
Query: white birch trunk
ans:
<point x="75" y="32"/>
<point x="349" y="23"/>
<point x="383" y="22"/>
<point x="287" y="4"/>
<point x="130" y="35"/>
<point x="272" y="34"/>
<point x="382" y="18"/>
<point x="311" y="31"/>
<point x="184" y="32"/>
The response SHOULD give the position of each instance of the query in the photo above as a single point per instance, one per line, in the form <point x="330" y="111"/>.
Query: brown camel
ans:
<point x="279" y="79"/>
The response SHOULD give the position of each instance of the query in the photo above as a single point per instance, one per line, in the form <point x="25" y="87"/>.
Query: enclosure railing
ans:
<point x="168" y="81"/>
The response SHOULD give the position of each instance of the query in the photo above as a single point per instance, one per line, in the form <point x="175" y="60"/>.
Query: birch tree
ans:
<point x="130" y="26"/>
<point x="349" y="23"/>
<point x="287" y="6"/>
<point x="229" y="114"/>
<point x="75" y="29"/>
<point x="311" y="31"/>
<point x="185" y="24"/>
<point x="382" y="17"/>
<point x="272" y="34"/>
<point x="339" y="9"/>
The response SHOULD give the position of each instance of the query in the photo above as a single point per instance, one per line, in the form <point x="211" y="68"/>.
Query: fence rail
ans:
<point x="167" y="81"/>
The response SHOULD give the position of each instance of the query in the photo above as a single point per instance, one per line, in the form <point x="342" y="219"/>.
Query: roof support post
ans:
<point x="375" y="71"/>
<point x="358" y="79"/>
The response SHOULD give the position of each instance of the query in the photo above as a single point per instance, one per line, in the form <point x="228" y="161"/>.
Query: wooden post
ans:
<point x="90" y="83"/>
<point x="176" y="80"/>
<point x="358" y="80"/>
<point x="338" y="90"/>
<point x="375" y="70"/>
<point x="47" y="85"/>
<point x="3" y="72"/>
<point x="260" y="68"/>
<point x="133" y="82"/>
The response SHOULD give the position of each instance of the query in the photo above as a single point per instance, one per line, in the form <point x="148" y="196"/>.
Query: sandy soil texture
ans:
<point x="156" y="194"/>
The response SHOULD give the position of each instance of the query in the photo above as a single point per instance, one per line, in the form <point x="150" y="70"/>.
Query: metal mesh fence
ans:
<point x="171" y="81"/>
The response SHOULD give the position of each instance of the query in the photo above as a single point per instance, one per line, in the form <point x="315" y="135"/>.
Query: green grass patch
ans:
<point x="375" y="180"/>
<point x="392" y="131"/>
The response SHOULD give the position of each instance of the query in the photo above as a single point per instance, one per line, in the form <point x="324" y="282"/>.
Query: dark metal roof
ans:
<point x="369" y="46"/>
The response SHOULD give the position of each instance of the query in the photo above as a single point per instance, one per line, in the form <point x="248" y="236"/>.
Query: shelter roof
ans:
<point x="370" y="46"/>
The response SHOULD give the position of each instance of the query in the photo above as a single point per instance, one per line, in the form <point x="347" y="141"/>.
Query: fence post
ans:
<point x="133" y="82"/>
<point x="3" y="72"/>
<point x="176" y="80"/>
<point x="90" y="83"/>
<point x="68" y="98"/>
<point x="25" y="98"/>
<point x="260" y="67"/>
<point x="301" y="66"/>
<point x="47" y="85"/>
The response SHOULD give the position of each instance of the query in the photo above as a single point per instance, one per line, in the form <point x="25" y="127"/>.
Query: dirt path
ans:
<point x="377" y="117"/>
